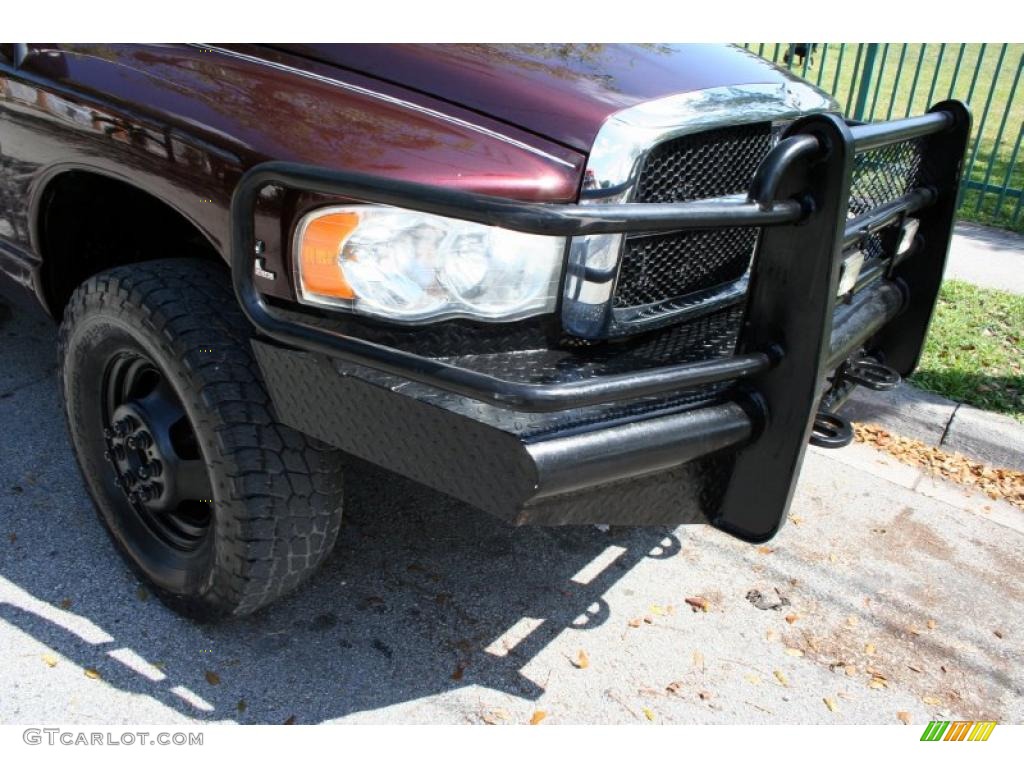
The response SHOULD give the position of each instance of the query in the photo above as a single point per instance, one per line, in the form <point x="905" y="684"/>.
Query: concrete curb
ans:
<point x="980" y="435"/>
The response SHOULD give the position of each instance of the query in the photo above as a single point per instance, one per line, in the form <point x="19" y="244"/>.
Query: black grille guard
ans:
<point x="793" y="332"/>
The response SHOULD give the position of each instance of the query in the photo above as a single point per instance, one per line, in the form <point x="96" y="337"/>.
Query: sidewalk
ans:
<point x="987" y="257"/>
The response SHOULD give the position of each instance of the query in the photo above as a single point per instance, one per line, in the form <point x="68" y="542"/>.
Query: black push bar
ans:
<point x="771" y="203"/>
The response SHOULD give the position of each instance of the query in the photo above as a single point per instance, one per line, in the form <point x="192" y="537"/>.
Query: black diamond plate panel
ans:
<point x="470" y="450"/>
<point x="652" y="500"/>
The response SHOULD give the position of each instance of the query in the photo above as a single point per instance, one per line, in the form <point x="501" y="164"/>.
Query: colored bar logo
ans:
<point x="959" y="730"/>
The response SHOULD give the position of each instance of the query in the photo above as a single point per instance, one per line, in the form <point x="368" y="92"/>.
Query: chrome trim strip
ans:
<point x="624" y="140"/>
<point x="612" y="170"/>
<point x="384" y="97"/>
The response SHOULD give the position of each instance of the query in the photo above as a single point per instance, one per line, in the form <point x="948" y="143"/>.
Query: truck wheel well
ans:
<point x="89" y="223"/>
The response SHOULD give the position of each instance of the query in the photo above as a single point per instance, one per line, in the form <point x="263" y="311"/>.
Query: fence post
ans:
<point x="865" y="81"/>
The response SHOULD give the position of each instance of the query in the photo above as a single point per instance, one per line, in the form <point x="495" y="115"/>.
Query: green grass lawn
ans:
<point x="907" y="78"/>
<point x="975" y="349"/>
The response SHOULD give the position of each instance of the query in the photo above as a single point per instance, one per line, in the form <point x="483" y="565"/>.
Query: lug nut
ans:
<point x="140" y="441"/>
<point x="149" y="491"/>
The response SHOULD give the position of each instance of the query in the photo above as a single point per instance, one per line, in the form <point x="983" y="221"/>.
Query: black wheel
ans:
<point x="220" y="507"/>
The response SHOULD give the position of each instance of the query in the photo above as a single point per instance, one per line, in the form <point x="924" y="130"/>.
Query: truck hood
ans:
<point x="561" y="92"/>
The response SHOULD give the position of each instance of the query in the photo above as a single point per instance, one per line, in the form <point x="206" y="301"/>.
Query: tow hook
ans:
<point x="870" y="373"/>
<point x="831" y="430"/>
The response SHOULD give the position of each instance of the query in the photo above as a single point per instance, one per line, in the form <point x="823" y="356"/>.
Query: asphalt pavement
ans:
<point x="889" y="597"/>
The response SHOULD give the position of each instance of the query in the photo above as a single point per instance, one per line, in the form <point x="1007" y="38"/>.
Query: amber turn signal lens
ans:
<point x="321" y="243"/>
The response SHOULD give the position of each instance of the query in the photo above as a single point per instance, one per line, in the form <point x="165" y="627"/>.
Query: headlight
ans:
<point x="409" y="266"/>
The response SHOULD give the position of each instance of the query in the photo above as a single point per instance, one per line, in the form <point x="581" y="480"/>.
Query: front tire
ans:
<point x="216" y="504"/>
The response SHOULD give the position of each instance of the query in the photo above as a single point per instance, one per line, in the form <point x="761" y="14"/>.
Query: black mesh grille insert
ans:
<point x="881" y="176"/>
<point x="885" y="174"/>
<point x="665" y="266"/>
<point x="707" y="164"/>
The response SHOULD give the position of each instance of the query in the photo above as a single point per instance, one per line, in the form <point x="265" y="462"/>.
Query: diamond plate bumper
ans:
<point x="634" y="448"/>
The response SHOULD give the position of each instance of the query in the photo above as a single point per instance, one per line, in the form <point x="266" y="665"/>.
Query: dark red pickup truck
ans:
<point x="567" y="284"/>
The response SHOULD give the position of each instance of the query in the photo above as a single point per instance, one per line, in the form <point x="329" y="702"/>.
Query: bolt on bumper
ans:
<point x="732" y="462"/>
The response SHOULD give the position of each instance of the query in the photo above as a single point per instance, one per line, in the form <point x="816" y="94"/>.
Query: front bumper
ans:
<point x="717" y="440"/>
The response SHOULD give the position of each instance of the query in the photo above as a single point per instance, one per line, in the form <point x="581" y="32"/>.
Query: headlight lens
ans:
<point x="408" y="266"/>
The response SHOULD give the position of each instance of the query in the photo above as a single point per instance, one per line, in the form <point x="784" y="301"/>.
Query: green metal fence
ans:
<point x="881" y="81"/>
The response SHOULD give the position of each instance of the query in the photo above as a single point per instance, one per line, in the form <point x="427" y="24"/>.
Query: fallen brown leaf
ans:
<point x="904" y="717"/>
<point x="212" y="678"/>
<point x="582" y="660"/>
<point x="781" y="677"/>
<point x="931" y="624"/>
<point x="698" y="604"/>
<point x="635" y="622"/>
<point x="460" y="670"/>
<point x="792" y="618"/>
<point x="675" y="687"/>
<point x="65" y="603"/>
<point x="538" y="715"/>
<point x="831" y="704"/>
<point x="241" y="706"/>
<point x="649" y="713"/>
<point x="49" y="660"/>
<point x="878" y="682"/>
<point x="290" y="720"/>
<point x="705" y="695"/>
<point x="996" y="482"/>
<point x="92" y="674"/>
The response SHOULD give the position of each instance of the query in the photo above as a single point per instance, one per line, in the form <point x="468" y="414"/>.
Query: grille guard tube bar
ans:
<point x="537" y="218"/>
<point x="567" y="220"/>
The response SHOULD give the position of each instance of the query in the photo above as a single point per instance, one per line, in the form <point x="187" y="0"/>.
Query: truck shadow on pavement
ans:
<point x="422" y="595"/>
<point x="425" y="597"/>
